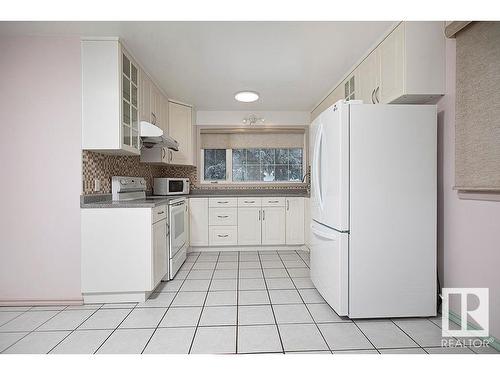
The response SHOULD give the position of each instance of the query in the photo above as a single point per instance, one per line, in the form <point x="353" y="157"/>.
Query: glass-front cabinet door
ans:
<point x="130" y="103"/>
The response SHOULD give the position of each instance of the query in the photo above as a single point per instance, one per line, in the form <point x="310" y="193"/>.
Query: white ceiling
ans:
<point x="293" y="65"/>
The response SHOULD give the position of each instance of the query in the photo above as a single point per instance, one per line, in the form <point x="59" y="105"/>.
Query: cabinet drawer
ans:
<point x="223" y="235"/>
<point x="249" y="202"/>
<point x="223" y="202"/>
<point x="223" y="216"/>
<point x="158" y="213"/>
<point x="273" y="202"/>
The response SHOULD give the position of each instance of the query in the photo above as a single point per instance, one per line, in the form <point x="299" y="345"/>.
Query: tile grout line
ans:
<point x="237" y="299"/>
<point x="407" y="334"/>
<point x="370" y="341"/>
<point x="113" y="330"/>
<point x="33" y="330"/>
<point x="204" y="302"/>
<point x="169" y="305"/>
<point x="271" y="304"/>
<point x="314" y="321"/>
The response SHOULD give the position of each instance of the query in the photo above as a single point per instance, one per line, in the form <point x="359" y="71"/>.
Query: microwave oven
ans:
<point x="170" y="186"/>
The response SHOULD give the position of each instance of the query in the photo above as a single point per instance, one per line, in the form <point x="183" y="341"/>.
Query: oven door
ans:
<point x="178" y="230"/>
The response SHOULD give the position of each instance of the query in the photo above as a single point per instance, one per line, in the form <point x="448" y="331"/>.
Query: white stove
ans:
<point x="134" y="188"/>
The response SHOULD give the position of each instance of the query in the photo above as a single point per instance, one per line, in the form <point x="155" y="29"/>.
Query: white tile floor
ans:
<point x="220" y="302"/>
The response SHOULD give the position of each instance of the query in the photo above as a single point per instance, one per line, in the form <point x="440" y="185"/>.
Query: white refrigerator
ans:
<point x="373" y="209"/>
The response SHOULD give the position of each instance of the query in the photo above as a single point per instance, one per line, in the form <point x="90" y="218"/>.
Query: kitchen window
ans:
<point x="252" y="156"/>
<point x="258" y="165"/>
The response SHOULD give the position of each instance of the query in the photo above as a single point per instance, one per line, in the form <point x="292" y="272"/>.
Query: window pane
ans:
<point x="281" y="173"/>
<point x="267" y="155"/>
<point x="215" y="164"/>
<point x="268" y="172"/>
<point x="295" y="156"/>
<point x="238" y="173"/>
<point x="253" y="173"/>
<point x="239" y="157"/>
<point x="253" y="156"/>
<point x="295" y="173"/>
<point x="282" y="156"/>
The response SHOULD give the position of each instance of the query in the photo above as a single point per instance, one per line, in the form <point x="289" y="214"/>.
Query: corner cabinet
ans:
<point x="180" y="127"/>
<point x="110" y="98"/>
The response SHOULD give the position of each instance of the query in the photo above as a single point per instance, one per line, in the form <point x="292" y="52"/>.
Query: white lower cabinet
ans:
<point x="124" y="253"/>
<point x="253" y="221"/>
<point x="295" y="216"/>
<point x="249" y="225"/>
<point x="223" y="235"/>
<point x="198" y="221"/>
<point x="273" y="225"/>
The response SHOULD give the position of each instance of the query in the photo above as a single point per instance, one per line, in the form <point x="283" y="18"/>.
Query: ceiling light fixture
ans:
<point x="246" y="96"/>
<point x="253" y="119"/>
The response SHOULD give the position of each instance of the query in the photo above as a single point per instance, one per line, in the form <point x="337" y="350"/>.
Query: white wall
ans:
<point x="468" y="230"/>
<point x="40" y="165"/>
<point x="272" y="118"/>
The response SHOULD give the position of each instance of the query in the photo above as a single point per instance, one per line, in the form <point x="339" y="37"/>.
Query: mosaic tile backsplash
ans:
<point x="103" y="167"/>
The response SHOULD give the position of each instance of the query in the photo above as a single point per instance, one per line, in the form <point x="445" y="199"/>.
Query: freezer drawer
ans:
<point x="330" y="266"/>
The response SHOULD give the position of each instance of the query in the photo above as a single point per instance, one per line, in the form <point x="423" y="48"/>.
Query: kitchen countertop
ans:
<point x="105" y="201"/>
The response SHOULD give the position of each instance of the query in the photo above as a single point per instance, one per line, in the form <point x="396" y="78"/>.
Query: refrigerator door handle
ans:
<point x="320" y="233"/>
<point x="316" y="164"/>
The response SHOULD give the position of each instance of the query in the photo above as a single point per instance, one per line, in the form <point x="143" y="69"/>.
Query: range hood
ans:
<point x="152" y="136"/>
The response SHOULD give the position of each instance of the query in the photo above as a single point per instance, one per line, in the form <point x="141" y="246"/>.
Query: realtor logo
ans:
<point x="473" y="307"/>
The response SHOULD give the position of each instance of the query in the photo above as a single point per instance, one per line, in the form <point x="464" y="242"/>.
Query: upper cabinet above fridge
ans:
<point x="110" y="98"/>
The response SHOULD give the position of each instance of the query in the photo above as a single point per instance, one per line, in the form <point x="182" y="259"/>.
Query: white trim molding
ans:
<point x="271" y="118"/>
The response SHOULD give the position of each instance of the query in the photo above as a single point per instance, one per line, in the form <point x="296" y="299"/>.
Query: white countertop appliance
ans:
<point x="373" y="209"/>
<point x="132" y="188"/>
<point x="170" y="186"/>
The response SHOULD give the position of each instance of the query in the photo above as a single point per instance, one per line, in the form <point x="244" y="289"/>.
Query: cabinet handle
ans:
<point x="222" y="235"/>
<point x="263" y="214"/>
<point x="161" y="213"/>
<point x="272" y="201"/>
<point x="376" y="94"/>
<point x="249" y="201"/>
<point x="287" y="205"/>
<point x="168" y="231"/>
<point x="222" y="216"/>
<point x="222" y="202"/>
<point x="170" y="155"/>
<point x="154" y="118"/>
<point x="259" y="215"/>
<point x="373" y="100"/>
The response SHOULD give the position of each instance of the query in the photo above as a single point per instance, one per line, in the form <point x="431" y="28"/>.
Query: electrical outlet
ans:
<point x="97" y="184"/>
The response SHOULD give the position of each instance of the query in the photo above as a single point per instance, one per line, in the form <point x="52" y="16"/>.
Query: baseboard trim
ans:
<point x="247" y="248"/>
<point x="40" y="302"/>
<point x="455" y="318"/>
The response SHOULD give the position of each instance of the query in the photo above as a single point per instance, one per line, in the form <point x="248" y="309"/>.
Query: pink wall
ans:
<point x="469" y="230"/>
<point x="40" y="168"/>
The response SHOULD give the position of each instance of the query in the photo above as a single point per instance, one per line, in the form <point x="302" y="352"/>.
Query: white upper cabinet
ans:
<point x="295" y="221"/>
<point x="180" y="128"/>
<point x="408" y="66"/>
<point x="145" y="97"/>
<point x="110" y="98"/>
<point x="369" y="78"/>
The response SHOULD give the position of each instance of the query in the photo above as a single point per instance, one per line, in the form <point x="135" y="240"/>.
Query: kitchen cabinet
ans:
<point x="110" y="98"/>
<point x="180" y="128"/>
<point x="123" y="255"/>
<point x="368" y="83"/>
<point x="198" y="221"/>
<point x="392" y="65"/>
<point x="273" y="225"/>
<point x="249" y="225"/>
<point x="247" y="221"/>
<point x="295" y="215"/>
<point x="145" y="97"/>
<point x="160" y="250"/>
<point x="407" y="67"/>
